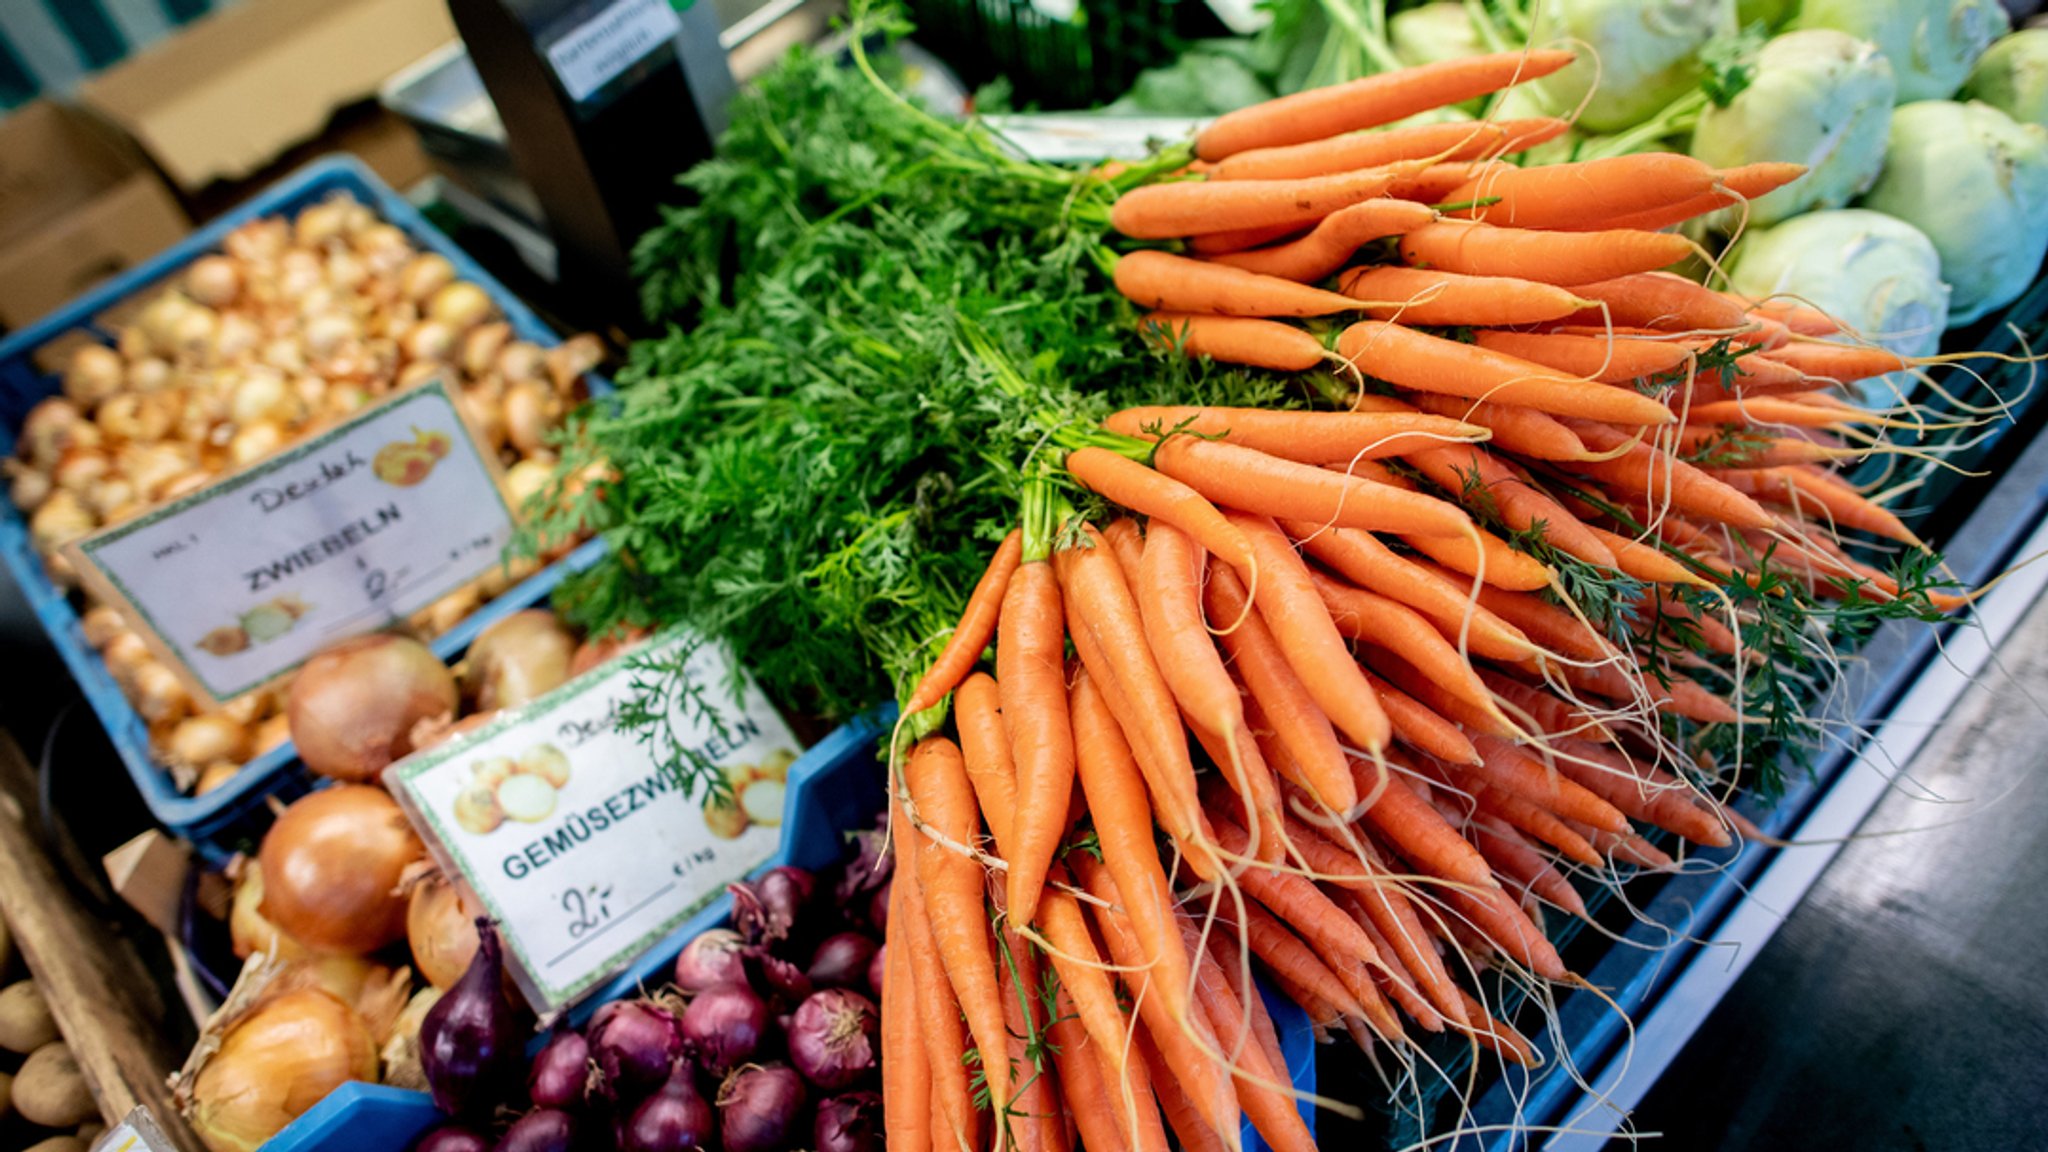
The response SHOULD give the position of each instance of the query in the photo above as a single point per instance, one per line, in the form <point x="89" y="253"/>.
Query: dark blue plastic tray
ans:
<point x="833" y="789"/>
<point x="216" y="818"/>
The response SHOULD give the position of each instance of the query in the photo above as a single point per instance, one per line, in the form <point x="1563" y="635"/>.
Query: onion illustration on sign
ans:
<point x="404" y="463"/>
<point x="501" y="788"/>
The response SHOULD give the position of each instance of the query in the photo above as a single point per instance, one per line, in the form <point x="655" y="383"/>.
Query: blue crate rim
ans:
<point x="199" y="817"/>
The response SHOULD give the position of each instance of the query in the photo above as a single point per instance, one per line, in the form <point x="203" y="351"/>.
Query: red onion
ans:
<point x="675" y="1119"/>
<point x="870" y="868"/>
<point x="633" y="1043"/>
<point x="767" y="909"/>
<point x="452" y="1138"/>
<point x="541" y="1130"/>
<point x="781" y="981"/>
<point x="832" y="1038"/>
<point x="713" y="958"/>
<point x="849" y="1123"/>
<point x="841" y="961"/>
<point x="876" y="967"/>
<point x="560" y="1076"/>
<point x="723" y="1027"/>
<point x="759" y="1108"/>
<point x="878" y="907"/>
<point x="470" y="1042"/>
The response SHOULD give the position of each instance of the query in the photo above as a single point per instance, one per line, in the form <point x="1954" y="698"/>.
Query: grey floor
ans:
<point x="1904" y="1004"/>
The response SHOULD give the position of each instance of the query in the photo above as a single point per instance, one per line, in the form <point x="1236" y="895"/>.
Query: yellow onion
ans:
<point x="27" y="487"/>
<point x="215" y="775"/>
<point x="460" y="305"/>
<point x="428" y="340"/>
<point x="440" y="930"/>
<point x="252" y="442"/>
<point x="61" y="518"/>
<point x="95" y="373"/>
<point x="249" y="932"/>
<point x="158" y="694"/>
<point x="353" y="707"/>
<point x="81" y="468"/>
<point x="425" y="275"/>
<point x="320" y="223"/>
<point x="148" y="374"/>
<point x="271" y="732"/>
<point x="142" y="417"/>
<point x="481" y="346"/>
<point x="569" y="360"/>
<point x="331" y="869"/>
<point x="402" y="1051"/>
<point x="49" y="428"/>
<point x="100" y="625"/>
<point x="282" y="1058"/>
<point x="532" y="410"/>
<point x="525" y="480"/>
<point x="521" y="361"/>
<point x="213" y="280"/>
<point x="207" y="737"/>
<point x="517" y="659"/>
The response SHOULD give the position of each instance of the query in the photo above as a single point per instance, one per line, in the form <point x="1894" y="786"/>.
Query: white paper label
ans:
<point x="137" y="1132"/>
<point x="572" y="834"/>
<point x="618" y="37"/>
<point x="346" y="533"/>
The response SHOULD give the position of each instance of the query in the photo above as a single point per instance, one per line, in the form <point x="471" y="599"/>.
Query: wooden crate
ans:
<point x="105" y="1003"/>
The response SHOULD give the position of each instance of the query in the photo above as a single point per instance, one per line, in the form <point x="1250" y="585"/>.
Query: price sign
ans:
<point x="613" y="39"/>
<point x="346" y="533"/>
<point x="587" y="844"/>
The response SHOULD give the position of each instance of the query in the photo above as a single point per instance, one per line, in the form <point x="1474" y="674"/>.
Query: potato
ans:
<point x="25" y="1023"/>
<point x="762" y="802"/>
<point x="51" y="1091"/>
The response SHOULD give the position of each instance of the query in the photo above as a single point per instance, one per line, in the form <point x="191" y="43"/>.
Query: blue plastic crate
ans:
<point x="204" y="819"/>
<point x="834" y="788"/>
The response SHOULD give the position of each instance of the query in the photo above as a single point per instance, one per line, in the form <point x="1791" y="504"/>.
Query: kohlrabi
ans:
<point x="1819" y="98"/>
<point x="1976" y="182"/>
<point x="1877" y="274"/>
<point x="1427" y="33"/>
<point x="1637" y="55"/>
<point x="1931" y="43"/>
<point x="2013" y="76"/>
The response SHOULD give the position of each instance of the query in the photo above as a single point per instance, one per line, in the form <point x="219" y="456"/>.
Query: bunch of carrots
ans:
<point x="1314" y="701"/>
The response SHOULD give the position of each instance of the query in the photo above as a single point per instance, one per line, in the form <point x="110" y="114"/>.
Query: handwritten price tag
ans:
<point x="343" y="534"/>
<point x="587" y="845"/>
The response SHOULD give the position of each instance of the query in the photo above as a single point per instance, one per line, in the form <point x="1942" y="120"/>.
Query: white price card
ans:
<point x="619" y="35"/>
<point x="589" y="836"/>
<point x="346" y="533"/>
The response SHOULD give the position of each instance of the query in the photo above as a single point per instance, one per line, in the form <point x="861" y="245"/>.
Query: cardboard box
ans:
<point x="77" y="204"/>
<point x="226" y="96"/>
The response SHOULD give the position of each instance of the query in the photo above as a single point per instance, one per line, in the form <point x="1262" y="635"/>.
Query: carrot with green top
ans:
<point x="976" y="628"/>
<point x="1163" y="282"/>
<point x="1426" y="363"/>
<point x="1187" y="207"/>
<point x="1031" y="671"/>
<point x="1360" y="558"/>
<point x="1430" y="296"/>
<point x="1235" y="477"/>
<point x="1442" y="143"/>
<point x="1615" y="359"/>
<point x="1303" y="437"/>
<point x="1584" y="191"/>
<point x="1156" y="495"/>
<point x="1318" y="113"/>
<point x="1288" y="602"/>
<point x="1246" y="340"/>
<point x="1332" y="242"/>
<point x="1548" y="257"/>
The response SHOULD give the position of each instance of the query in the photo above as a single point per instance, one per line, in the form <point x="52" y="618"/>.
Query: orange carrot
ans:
<point x="1251" y="481"/>
<point x="937" y="1013"/>
<point x="1547" y="624"/>
<point x="952" y="887"/>
<point x="1628" y="849"/>
<point x="1667" y="481"/>
<point x="1645" y="561"/>
<point x="1476" y="474"/>
<point x="1303" y="437"/>
<point x="1160" y="497"/>
<point x="1332" y="242"/>
<point x="1514" y="858"/>
<point x="1734" y="185"/>
<point x="1086" y="1091"/>
<point x="1839" y="363"/>
<point x="1496" y="916"/>
<point x="1420" y="727"/>
<point x="1392" y="978"/>
<point x="1418" y="831"/>
<point x="1426" y="363"/>
<point x="906" y="1079"/>
<point x="1260" y="1072"/>
<point x="1662" y="301"/>
<point x="1362" y="559"/>
<point x="1037" y="1122"/>
<point x="1375" y="620"/>
<point x="1183" y="1115"/>
<point x="1802" y="319"/>
<point x="1186" y="207"/>
<point x="1318" y="113"/>
<point x="1502" y="1040"/>
<point x="1549" y="716"/>
<point x="1509" y="768"/>
<point x="1775" y="411"/>
<point x="1434" y="184"/>
<point x="1123" y="827"/>
<point x="1433" y="699"/>
<point x="1164" y="282"/>
<point x="1523" y="431"/>
<point x="1239" y="239"/>
<point x="1031" y="669"/>
<point x="1169" y="591"/>
<point x="1237" y="340"/>
<point x="1548" y="257"/>
<point x="977" y="626"/>
<point x="1127" y="543"/>
<point x="1646" y="793"/>
<point x="985" y="750"/>
<point x="1610" y="361"/>
<point x="1288" y="958"/>
<point x="1428" y="296"/>
<point x="1083" y="979"/>
<point x="1460" y="140"/>
<point x="1288" y="602"/>
<point x="1186" y="1042"/>
<point x="1281" y="698"/>
<point x="1564" y="195"/>
<point x="1534" y="819"/>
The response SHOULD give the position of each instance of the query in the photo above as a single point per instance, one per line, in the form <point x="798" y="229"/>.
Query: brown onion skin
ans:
<point x="300" y="1045"/>
<point x="352" y="708"/>
<point x="441" y="934"/>
<point x="331" y="869"/>
<point x="517" y="659"/>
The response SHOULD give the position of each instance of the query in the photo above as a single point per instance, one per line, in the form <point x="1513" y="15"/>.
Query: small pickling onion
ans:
<point x="532" y="410"/>
<point x="282" y="1058"/>
<point x="213" y="280"/>
<point x="95" y="373"/>
<point x="331" y="869"/>
<point x="517" y="659"/>
<point x="209" y="736"/>
<point x="442" y="936"/>
<point x="353" y="707"/>
<point x="402" y="1048"/>
<point x="425" y="275"/>
<point x="461" y="305"/>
